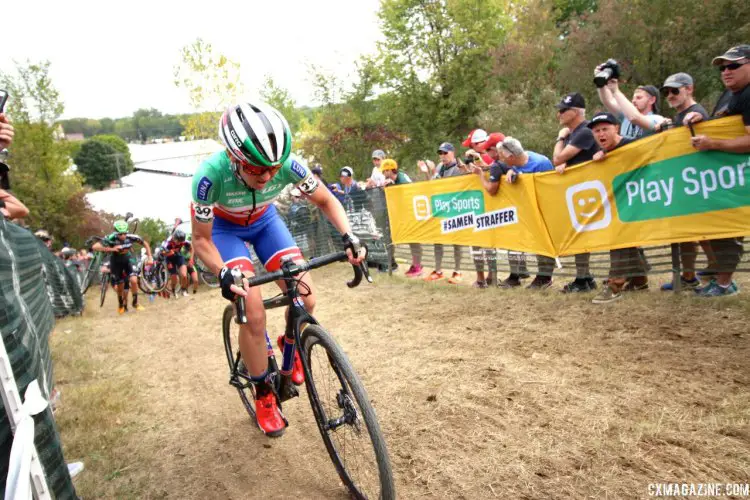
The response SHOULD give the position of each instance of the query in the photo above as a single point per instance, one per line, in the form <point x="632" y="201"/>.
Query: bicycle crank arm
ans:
<point x="287" y="389"/>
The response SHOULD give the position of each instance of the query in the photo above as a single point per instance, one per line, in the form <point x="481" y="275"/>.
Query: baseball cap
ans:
<point x="493" y="139"/>
<point x="347" y="172"/>
<point x="603" y="117"/>
<point x="733" y="54"/>
<point x="652" y="91"/>
<point x="445" y="147"/>
<point x="572" y="100"/>
<point x="678" y="80"/>
<point x="474" y="137"/>
<point x="378" y="153"/>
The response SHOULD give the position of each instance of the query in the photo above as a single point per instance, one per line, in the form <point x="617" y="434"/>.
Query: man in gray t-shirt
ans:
<point x="449" y="166"/>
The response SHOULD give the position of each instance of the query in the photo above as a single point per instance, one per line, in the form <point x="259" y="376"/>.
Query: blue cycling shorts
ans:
<point x="268" y="235"/>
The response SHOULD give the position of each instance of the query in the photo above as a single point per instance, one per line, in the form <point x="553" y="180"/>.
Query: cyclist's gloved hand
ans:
<point x="358" y="250"/>
<point x="227" y="280"/>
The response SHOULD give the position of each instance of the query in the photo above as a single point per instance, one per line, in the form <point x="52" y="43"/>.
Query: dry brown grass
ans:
<point x="480" y="394"/>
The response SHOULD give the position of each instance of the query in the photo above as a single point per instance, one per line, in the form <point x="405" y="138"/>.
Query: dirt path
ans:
<point x="480" y="394"/>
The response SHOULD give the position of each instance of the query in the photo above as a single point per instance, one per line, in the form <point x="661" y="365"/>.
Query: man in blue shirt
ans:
<point x="520" y="161"/>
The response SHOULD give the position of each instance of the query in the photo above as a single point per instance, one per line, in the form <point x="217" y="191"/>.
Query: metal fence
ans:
<point x="368" y="216"/>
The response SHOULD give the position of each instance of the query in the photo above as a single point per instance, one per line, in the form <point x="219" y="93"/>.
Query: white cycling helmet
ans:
<point x="256" y="133"/>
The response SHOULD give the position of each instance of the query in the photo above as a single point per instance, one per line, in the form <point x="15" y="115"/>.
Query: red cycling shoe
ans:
<point x="298" y="373"/>
<point x="270" y="419"/>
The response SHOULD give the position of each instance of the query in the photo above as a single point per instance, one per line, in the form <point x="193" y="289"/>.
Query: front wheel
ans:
<point x="244" y="387"/>
<point x="345" y="417"/>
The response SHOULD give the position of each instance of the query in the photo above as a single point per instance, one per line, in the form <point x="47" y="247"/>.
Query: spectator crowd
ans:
<point x="498" y="161"/>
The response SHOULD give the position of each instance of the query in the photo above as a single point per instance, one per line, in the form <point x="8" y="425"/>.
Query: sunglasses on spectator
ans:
<point x="732" y="66"/>
<point x="561" y="111"/>
<point x="376" y="159"/>
<point x="671" y="90"/>
<point x="441" y="153"/>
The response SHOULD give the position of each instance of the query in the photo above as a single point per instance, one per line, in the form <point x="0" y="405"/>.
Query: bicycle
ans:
<point x="207" y="277"/>
<point x="344" y="415"/>
<point x="153" y="278"/>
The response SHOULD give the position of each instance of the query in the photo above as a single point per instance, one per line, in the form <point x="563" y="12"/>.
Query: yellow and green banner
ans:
<point x="654" y="191"/>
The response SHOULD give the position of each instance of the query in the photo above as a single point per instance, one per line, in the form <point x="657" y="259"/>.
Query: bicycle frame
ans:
<point x="297" y="316"/>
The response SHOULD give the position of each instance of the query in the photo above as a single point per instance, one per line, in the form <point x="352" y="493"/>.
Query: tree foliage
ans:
<point x="212" y="82"/>
<point x="97" y="163"/>
<point x="40" y="165"/>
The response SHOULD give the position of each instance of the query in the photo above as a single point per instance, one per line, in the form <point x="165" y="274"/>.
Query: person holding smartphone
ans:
<point x="10" y="206"/>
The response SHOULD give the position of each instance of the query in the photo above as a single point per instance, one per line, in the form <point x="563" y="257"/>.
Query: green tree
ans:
<point x="434" y="62"/>
<point x="120" y="146"/>
<point x="41" y="173"/>
<point x="97" y="163"/>
<point x="212" y="82"/>
<point x="152" y="230"/>
<point x="280" y="99"/>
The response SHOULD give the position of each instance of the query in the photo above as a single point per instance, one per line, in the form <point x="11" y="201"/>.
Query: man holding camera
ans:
<point x="575" y="144"/>
<point x="640" y="117"/>
<point x="734" y="68"/>
<point x="10" y="206"/>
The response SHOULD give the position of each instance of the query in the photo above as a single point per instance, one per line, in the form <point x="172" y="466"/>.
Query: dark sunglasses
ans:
<point x="732" y="66"/>
<point x="441" y="153"/>
<point x="670" y="90"/>
<point x="563" y="110"/>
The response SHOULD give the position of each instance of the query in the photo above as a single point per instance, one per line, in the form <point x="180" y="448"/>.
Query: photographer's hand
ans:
<point x="477" y="170"/>
<point x="613" y="85"/>
<point x="6" y="132"/>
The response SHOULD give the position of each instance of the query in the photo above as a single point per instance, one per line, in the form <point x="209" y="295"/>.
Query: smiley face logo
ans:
<point x="588" y="206"/>
<point x="421" y="207"/>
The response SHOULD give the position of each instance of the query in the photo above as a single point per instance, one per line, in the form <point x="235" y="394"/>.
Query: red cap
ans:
<point x="493" y="140"/>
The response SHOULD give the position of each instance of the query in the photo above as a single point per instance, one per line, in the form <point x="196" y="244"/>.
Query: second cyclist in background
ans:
<point x="171" y="249"/>
<point x="119" y="245"/>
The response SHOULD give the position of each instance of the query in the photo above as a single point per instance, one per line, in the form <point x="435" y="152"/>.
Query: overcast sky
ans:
<point x="111" y="58"/>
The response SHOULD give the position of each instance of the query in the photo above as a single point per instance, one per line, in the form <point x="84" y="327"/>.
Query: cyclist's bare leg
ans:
<point x="134" y="290"/>
<point x="253" y="334"/>
<point x="183" y="277"/>
<point x="194" y="278"/>
<point x="122" y="293"/>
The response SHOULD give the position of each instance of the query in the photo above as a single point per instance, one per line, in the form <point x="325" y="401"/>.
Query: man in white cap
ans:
<point x="376" y="179"/>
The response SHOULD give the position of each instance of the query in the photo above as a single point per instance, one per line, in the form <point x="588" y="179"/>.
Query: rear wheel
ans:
<point x="345" y="418"/>
<point x="245" y="389"/>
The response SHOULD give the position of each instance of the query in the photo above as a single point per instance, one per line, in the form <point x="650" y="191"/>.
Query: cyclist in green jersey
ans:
<point x="233" y="193"/>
